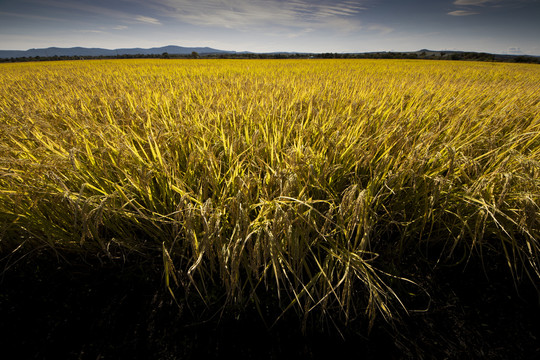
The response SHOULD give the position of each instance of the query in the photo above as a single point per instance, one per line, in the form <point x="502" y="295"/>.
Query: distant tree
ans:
<point x="165" y="55"/>
<point x="523" y="59"/>
<point x="195" y="55"/>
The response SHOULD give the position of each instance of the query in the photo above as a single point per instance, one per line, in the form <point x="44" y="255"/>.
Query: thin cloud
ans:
<point x="494" y="3"/>
<point x="515" y="51"/>
<point x="30" y="16"/>
<point x="244" y="14"/>
<point x="471" y="2"/>
<point x="90" y="31"/>
<point x="120" y="27"/>
<point x="83" y="7"/>
<point x="147" y="20"/>
<point x="462" y="13"/>
<point x="381" y="29"/>
<point x="293" y="35"/>
<point x="104" y="11"/>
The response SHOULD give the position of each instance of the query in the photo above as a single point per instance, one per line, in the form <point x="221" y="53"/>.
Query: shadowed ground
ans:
<point x="75" y="309"/>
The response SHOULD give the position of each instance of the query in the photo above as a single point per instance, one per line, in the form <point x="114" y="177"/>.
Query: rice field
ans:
<point x="310" y="184"/>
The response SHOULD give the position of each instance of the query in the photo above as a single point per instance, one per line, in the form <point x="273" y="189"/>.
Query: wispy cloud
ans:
<point x="467" y="4"/>
<point x="103" y="30"/>
<point x="493" y="3"/>
<point x="90" y="31"/>
<point x="515" y="51"/>
<point x="147" y="20"/>
<point x="462" y="13"/>
<point x="101" y="10"/>
<point x="82" y="7"/>
<point x="381" y="29"/>
<point x="244" y="14"/>
<point x="293" y="16"/>
<point x="291" y="34"/>
<point x="471" y="2"/>
<point x="30" y="16"/>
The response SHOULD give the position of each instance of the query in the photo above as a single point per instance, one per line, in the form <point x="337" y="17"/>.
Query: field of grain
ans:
<point x="314" y="185"/>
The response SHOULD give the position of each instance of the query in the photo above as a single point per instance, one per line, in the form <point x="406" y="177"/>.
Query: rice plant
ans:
<point x="303" y="182"/>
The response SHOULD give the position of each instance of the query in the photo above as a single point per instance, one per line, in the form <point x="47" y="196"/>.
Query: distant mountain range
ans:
<point x="206" y="51"/>
<point x="81" y="51"/>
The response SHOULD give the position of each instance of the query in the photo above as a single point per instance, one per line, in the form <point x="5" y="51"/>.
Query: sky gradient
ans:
<point x="496" y="26"/>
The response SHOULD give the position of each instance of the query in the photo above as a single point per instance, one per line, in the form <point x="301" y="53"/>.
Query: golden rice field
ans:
<point x="313" y="184"/>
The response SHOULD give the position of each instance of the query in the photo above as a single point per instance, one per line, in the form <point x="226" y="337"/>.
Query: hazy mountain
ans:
<point x="80" y="51"/>
<point x="179" y="50"/>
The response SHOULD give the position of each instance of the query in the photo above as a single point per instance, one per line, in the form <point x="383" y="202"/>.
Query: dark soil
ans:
<point x="75" y="308"/>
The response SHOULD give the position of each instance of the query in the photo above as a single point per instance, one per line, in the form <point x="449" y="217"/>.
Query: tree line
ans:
<point x="427" y="55"/>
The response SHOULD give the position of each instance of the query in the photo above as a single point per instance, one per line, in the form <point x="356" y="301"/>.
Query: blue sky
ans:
<point x="498" y="26"/>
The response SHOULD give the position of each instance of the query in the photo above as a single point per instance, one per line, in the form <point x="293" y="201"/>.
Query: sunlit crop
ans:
<point x="306" y="182"/>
